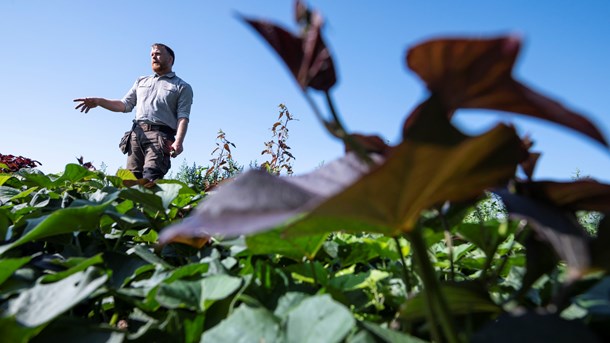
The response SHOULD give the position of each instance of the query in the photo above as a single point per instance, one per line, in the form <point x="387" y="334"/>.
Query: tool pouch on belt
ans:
<point x="126" y="139"/>
<point x="124" y="144"/>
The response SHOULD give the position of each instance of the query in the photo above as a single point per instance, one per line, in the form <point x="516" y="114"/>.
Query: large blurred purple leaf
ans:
<point x="477" y="73"/>
<point x="600" y="253"/>
<point x="435" y="163"/>
<point x="256" y="200"/>
<point x="550" y="208"/>
<point x="585" y="194"/>
<point x="306" y="56"/>
<point x="553" y="226"/>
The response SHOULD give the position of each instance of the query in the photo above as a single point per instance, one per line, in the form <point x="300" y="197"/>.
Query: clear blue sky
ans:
<point x="55" y="51"/>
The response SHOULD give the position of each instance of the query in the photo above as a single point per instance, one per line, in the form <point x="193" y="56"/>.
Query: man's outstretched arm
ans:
<point x="88" y="103"/>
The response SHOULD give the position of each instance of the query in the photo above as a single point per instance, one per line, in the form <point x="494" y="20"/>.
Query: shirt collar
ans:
<point x="168" y="75"/>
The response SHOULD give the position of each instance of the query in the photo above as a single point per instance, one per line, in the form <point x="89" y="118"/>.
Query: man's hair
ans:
<point x="168" y="49"/>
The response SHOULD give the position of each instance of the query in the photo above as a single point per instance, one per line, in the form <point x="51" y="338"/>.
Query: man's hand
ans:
<point x="86" y="104"/>
<point x="176" y="149"/>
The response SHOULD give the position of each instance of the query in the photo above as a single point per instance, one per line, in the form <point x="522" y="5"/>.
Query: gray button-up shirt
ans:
<point x="160" y="100"/>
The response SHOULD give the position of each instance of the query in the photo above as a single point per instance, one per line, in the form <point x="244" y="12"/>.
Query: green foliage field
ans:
<point x="81" y="263"/>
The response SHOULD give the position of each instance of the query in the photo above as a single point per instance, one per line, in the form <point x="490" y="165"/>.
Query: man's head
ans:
<point x="162" y="58"/>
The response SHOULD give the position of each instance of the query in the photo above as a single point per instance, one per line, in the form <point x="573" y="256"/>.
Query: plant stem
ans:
<point x="449" y="242"/>
<point x="518" y="233"/>
<point x="406" y="276"/>
<point x="116" y="244"/>
<point x="336" y="127"/>
<point x="315" y="108"/>
<point x="341" y="132"/>
<point x="432" y="289"/>
<point x="313" y="273"/>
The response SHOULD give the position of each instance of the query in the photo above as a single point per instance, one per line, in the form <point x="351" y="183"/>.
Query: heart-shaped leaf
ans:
<point x="307" y="56"/>
<point x="44" y="302"/>
<point x="553" y="226"/>
<point x="435" y="163"/>
<point x="318" y="319"/>
<point x="246" y="324"/>
<point x="256" y="201"/>
<point x="579" y="195"/>
<point x="477" y="73"/>
<point x="296" y="248"/>
<point x="84" y="216"/>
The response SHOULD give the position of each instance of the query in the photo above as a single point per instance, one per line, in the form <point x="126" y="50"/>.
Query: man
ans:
<point x="163" y="108"/>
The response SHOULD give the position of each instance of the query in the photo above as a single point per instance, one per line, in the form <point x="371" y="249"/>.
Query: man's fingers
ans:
<point x="82" y="108"/>
<point x="85" y="104"/>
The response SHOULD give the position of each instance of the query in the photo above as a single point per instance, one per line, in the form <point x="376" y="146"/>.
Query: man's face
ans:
<point x="161" y="60"/>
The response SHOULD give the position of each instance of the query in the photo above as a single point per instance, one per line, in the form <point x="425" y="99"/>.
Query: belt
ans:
<point x="154" y="127"/>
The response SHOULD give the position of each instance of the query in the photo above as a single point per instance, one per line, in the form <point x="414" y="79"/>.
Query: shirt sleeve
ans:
<point x="131" y="98"/>
<point x="185" y="101"/>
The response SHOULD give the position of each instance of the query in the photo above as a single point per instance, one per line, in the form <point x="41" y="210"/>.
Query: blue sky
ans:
<point x="55" y="51"/>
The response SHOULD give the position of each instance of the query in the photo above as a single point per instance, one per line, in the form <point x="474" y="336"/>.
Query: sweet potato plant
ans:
<point x="386" y="244"/>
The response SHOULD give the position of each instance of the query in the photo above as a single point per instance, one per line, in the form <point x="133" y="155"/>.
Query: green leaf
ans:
<point x="149" y="256"/>
<point x="129" y="220"/>
<point x="83" y="265"/>
<point x="5" y="221"/>
<point x="350" y="282"/>
<point x="73" y="173"/>
<point x="461" y="300"/>
<point x="488" y="235"/>
<point x="288" y="302"/>
<point x="246" y="325"/>
<point x="24" y="194"/>
<point x="65" y="220"/>
<point x="199" y="294"/>
<point x="273" y="242"/>
<point x="182" y="187"/>
<point x="43" y="302"/>
<point x="217" y="287"/>
<point x="37" y="179"/>
<point x="363" y="249"/>
<point x="169" y="192"/>
<point x="193" y="327"/>
<point x="144" y="198"/>
<point x="7" y="193"/>
<point x="14" y="332"/>
<point x="9" y="265"/>
<point x="126" y="174"/>
<point x="319" y="319"/>
<point x="186" y="199"/>
<point x="179" y="294"/>
<point x="4" y="177"/>
<point x="123" y="267"/>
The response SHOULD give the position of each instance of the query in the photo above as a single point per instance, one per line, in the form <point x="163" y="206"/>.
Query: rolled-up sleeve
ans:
<point x="184" y="102"/>
<point x="130" y="99"/>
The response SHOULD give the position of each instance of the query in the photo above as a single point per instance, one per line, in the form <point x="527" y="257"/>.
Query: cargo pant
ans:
<point x="148" y="152"/>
